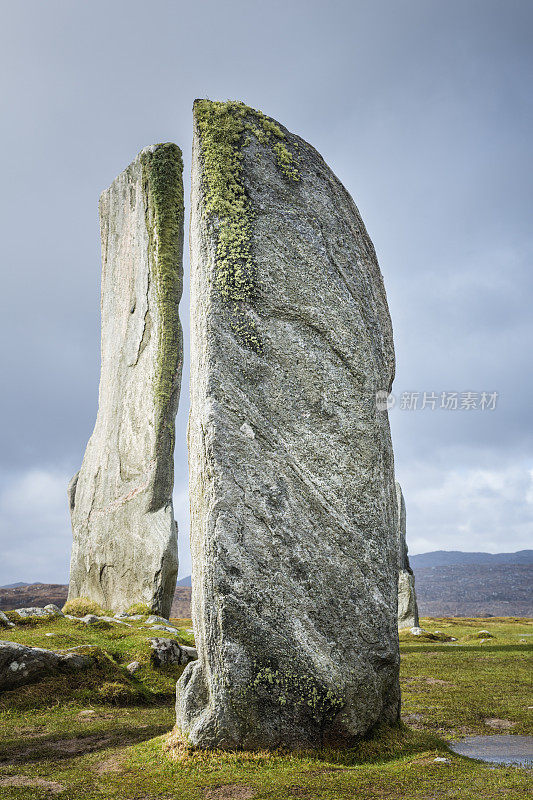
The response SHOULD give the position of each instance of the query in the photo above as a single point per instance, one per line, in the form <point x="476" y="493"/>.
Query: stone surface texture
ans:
<point x="407" y="605"/>
<point x="168" y="651"/>
<point x="20" y="665"/>
<point x="124" y="534"/>
<point x="293" y="530"/>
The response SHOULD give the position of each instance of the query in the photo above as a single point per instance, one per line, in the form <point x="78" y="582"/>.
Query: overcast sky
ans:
<point x="422" y="108"/>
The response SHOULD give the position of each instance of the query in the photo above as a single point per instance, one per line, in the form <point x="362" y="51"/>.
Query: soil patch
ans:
<point x="230" y="791"/>
<point x="26" y="780"/>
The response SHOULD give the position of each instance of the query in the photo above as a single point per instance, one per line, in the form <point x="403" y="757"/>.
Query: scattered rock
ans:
<point x="133" y="666"/>
<point x="438" y="636"/>
<point x="484" y="635"/>
<point x="124" y="534"/>
<point x="499" y="724"/>
<point x="190" y="652"/>
<point x="5" y="622"/>
<point x="168" y="651"/>
<point x="116" y="621"/>
<point x="32" y="611"/>
<point x="167" y="628"/>
<point x="20" y="665"/>
<point x="441" y="760"/>
<point x="54" y="610"/>
<point x="90" y="619"/>
<point x="153" y="620"/>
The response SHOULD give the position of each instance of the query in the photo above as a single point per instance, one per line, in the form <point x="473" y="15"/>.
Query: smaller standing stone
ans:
<point x="407" y="605"/>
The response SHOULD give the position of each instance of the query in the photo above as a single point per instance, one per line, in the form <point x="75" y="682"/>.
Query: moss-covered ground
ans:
<point x="67" y="738"/>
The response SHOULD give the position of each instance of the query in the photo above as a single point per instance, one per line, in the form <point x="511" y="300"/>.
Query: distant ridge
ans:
<point x="15" y="585"/>
<point x="184" y="581"/>
<point x="450" y="558"/>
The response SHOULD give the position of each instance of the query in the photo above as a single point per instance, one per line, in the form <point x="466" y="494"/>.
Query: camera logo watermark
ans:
<point x="445" y="401"/>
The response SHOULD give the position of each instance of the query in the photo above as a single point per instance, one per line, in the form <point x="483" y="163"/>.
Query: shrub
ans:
<point x="80" y="606"/>
<point x="139" y="608"/>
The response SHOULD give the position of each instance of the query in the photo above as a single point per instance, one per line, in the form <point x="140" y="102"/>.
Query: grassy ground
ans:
<point x="73" y="739"/>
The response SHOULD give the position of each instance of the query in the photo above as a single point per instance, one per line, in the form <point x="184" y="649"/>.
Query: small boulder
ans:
<point x="5" y="622"/>
<point x="20" y="665"/>
<point x="115" y="621"/>
<point x="54" y="610"/>
<point x="168" y="651"/>
<point x="31" y="611"/>
<point x="153" y="620"/>
<point x="416" y="631"/>
<point x="133" y="666"/>
<point x="90" y="619"/>
<point x="167" y="628"/>
<point x="190" y="652"/>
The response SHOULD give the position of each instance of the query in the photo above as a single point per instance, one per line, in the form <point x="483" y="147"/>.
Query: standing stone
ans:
<point x="407" y="605"/>
<point x="125" y="536"/>
<point x="291" y="468"/>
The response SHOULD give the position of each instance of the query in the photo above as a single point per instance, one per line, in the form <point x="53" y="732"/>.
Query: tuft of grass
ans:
<point x="80" y="606"/>
<point x="139" y="608"/>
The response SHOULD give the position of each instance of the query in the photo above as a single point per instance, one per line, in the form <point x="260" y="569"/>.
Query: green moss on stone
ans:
<point x="295" y="689"/>
<point x="224" y="129"/>
<point x="163" y="185"/>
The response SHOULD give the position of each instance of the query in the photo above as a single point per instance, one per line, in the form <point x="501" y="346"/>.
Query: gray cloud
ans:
<point x="423" y="110"/>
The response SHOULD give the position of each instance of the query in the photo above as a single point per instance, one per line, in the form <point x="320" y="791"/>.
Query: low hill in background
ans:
<point x="449" y="558"/>
<point x="448" y="583"/>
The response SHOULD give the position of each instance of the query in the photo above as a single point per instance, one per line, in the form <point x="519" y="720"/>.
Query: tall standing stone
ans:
<point x="125" y="537"/>
<point x="291" y="468"/>
<point x="407" y="605"/>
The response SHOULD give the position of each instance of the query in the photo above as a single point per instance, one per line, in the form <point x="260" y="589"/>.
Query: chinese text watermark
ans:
<point x="432" y="401"/>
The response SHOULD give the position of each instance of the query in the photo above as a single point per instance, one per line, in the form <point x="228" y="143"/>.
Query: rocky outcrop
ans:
<point x="291" y="469"/>
<point x="168" y="651"/>
<point x="49" y="610"/>
<point x="407" y="605"/>
<point x="125" y="549"/>
<point x="20" y="665"/>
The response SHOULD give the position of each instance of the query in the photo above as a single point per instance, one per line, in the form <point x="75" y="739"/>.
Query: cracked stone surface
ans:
<point x="124" y="533"/>
<point x="407" y="605"/>
<point x="293" y="530"/>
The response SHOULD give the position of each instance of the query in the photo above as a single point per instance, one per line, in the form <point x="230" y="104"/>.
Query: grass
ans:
<point x="63" y="739"/>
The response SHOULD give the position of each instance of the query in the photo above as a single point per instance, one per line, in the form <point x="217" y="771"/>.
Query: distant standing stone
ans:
<point x="291" y="470"/>
<point x="125" y="547"/>
<point x="407" y="605"/>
